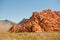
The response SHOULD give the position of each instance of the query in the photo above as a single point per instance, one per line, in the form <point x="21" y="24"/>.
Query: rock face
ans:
<point x="47" y="20"/>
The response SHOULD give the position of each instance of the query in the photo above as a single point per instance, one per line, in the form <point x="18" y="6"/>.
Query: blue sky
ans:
<point x="16" y="10"/>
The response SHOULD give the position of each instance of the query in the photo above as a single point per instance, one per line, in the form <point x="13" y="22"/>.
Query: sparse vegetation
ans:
<point x="30" y="36"/>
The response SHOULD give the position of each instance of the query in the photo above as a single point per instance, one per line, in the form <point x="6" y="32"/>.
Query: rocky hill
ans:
<point x="22" y="21"/>
<point x="45" y="21"/>
<point x="5" y="25"/>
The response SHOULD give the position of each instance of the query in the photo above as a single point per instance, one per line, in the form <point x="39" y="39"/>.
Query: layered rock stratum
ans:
<point x="45" y="21"/>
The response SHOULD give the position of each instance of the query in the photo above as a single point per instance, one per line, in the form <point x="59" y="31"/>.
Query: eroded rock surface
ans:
<point x="47" y="20"/>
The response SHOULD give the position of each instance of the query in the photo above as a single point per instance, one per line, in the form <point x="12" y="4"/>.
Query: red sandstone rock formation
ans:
<point x="46" y="20"/>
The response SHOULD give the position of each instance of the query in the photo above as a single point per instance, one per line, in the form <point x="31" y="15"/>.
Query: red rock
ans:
<point x="46" y="20"/>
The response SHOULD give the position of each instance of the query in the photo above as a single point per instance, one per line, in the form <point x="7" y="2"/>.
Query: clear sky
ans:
<point x="16" y="10"/>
